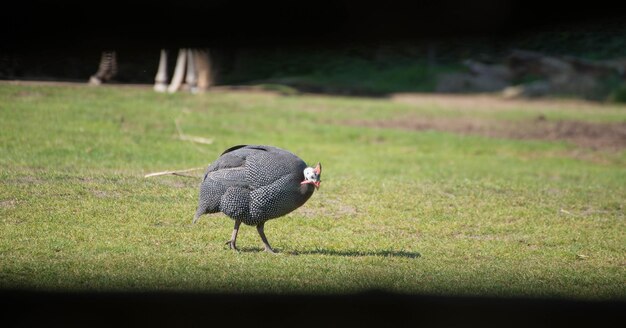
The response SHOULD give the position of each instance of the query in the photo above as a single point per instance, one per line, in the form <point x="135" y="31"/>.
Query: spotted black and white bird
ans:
<point x="255" y="183"/>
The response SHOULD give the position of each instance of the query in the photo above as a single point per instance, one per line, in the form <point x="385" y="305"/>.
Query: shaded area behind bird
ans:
<point x="376" y="67"/>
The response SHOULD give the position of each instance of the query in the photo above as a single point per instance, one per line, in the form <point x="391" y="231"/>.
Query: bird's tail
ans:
<point x="196" y="217"/>
<point x="203" y="209"/>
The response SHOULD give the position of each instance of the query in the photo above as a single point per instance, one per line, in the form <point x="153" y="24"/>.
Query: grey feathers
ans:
<point x="253" y="183"/>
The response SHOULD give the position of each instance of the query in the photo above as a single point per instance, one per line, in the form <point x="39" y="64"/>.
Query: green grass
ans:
<point x="410" y="212"/>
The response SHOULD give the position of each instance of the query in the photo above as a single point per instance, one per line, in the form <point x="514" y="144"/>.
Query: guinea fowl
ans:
<point x="253" y="184"/>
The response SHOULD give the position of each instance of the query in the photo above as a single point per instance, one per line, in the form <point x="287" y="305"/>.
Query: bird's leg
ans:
<point x="233" y="237"/>
<point x="268" y="248"/>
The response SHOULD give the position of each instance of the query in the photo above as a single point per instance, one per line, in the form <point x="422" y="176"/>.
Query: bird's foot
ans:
<point x="231" y="245"/>
<point x="270" y="250"/>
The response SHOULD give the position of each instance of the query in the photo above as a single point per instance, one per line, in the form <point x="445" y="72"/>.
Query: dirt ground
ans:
<point x="606" y="136"/>
<point x="600" y="136"/>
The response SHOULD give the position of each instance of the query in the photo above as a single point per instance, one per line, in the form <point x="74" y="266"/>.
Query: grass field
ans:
<point x="408" y="211"/>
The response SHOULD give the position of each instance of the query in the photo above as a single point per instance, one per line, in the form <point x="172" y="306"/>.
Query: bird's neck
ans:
<point x="307" y="189"/>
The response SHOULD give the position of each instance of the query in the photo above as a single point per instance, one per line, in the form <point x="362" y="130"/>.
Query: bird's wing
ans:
<point x="230" y="159"/>
<point x="229" y="176"/>
<point x="215" y="185"/>
<point x="267" y="167"/>
<point x="264" y="164"/>
<point x="257" y="147"/>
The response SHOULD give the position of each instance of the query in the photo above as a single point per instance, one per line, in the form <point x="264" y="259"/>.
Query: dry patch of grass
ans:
<point x="606" y="136"/>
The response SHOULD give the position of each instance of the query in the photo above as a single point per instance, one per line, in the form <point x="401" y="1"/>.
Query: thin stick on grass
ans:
<point x="178" y="173"/>
<point x="182" y="136"/>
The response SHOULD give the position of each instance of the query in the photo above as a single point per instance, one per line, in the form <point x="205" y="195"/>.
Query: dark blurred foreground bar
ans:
<point x="50" y="309"/>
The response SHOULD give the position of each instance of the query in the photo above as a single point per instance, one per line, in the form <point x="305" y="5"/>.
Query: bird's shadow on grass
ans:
<point x="332" y="252"/>
<point x="347" y="253"/>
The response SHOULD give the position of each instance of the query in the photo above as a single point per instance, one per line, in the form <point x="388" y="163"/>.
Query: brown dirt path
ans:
<point x="606" y="136"/>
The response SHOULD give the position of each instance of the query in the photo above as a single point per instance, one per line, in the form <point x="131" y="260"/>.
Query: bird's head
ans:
<point x="313" y="175"/>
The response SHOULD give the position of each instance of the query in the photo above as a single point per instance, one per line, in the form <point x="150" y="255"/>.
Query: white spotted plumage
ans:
<point x="253" y="184"/>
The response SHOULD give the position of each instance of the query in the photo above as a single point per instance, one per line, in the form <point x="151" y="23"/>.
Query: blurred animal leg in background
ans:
<point x="179" y="71"/>
<point x="204" y="69"/>
<point x="193" y="67"/>
<point x="160" y="81"/>
<point x="107" y="68"/>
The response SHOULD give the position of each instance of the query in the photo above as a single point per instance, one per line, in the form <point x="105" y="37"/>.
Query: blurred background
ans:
<point x="519" y="48"/>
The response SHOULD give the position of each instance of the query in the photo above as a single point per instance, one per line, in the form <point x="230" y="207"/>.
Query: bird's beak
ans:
<point x="317" y="184"/>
